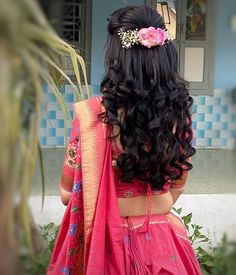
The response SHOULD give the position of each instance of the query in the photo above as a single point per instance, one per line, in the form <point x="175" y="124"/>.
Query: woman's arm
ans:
<point x="70" y="163"/>
<point x="177" y="186"/>
<point x="65" y="196"/>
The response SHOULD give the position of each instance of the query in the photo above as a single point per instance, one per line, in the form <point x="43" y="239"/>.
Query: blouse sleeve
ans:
<point x="72" y="159"/>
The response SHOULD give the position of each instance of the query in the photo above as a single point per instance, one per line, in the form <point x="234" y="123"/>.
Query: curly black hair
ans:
<point x="155" y="129"/>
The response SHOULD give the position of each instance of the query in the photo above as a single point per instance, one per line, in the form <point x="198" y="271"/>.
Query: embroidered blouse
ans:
<point x="72" y="160"/>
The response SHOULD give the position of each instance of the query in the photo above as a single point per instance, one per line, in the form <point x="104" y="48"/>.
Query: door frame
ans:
<point x="209" y="49"/>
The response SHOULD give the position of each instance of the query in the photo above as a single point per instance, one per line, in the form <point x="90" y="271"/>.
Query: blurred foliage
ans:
<point x="217" y="260"/>
<point x="220" y="259"/>
<point x="40" y="262"/>
<point x="31" y="56"/>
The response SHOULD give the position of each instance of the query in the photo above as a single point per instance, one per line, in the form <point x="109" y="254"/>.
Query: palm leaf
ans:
<point x="40" y="154"/>
<point x="31" y="55"/>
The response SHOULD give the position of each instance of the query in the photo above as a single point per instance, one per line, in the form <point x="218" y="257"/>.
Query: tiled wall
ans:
<point x="52" y="124"/>
<point x="214" y="120"/>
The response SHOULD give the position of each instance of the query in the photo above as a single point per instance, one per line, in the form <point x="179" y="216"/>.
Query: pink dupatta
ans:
<point x="105" y="234"/>
<point x="101" y="232"/>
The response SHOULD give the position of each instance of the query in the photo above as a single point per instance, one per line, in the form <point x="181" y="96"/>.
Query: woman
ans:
<point x="128" y="159"/>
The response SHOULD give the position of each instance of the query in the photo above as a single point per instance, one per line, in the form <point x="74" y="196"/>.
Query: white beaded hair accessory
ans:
<point x="148" y="37"/>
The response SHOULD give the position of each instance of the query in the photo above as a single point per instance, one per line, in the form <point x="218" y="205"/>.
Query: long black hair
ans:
<point x="155" y="129"/>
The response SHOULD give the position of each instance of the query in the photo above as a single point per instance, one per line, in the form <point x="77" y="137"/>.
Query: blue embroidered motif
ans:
<point x="73" y="229"/>
<point x="76" y="187"/>
<point x="148" y="236"/>
<point x="65" y="270"/>
<point x="126" y="239"/>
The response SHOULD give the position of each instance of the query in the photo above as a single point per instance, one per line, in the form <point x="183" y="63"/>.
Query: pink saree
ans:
<point x="93" y="238"/>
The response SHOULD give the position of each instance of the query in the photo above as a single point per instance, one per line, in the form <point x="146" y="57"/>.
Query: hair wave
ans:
<point x="143" y="83"/>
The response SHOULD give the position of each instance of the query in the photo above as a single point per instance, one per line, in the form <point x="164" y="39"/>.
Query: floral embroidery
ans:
<point x="128" y="194"/>
<point x="72" y="251"/>
<point x="65" y="270"/>
<point x="73" y="229"/>
<point x="76" y="187"/>
<point x="72" y="152"/>
<point x="75" y="209"/>
<point x="78" y="166"/>
<point x="81" y="239"/>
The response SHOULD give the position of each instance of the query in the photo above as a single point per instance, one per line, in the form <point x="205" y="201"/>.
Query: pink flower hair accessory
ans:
<point x="148" y="37"/>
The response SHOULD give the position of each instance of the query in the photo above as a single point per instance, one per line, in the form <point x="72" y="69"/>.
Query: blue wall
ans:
<point x="225" y="51"/>
<point x="101" y="10"/>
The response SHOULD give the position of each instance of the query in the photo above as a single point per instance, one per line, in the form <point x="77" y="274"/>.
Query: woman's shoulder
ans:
<point x="92" y="104"/>
<point x="95" y="100"/>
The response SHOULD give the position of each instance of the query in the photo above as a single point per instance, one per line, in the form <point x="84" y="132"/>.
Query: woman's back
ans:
<point x="133" y="197"/>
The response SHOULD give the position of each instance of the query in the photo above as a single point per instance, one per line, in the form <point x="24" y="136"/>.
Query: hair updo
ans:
<point x="155" y="129"/>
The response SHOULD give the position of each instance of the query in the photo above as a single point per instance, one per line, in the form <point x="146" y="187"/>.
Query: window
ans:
<point x="71" y="20"/>
<point x="190" y="24"/>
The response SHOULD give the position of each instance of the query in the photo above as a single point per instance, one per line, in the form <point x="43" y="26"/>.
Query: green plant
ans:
<point x="194" y="230"/>
<point x="38" y="264"/>
<point x="41" y="260"/>
<point x="49" y="233"/>
<point x="218" y="260"/>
